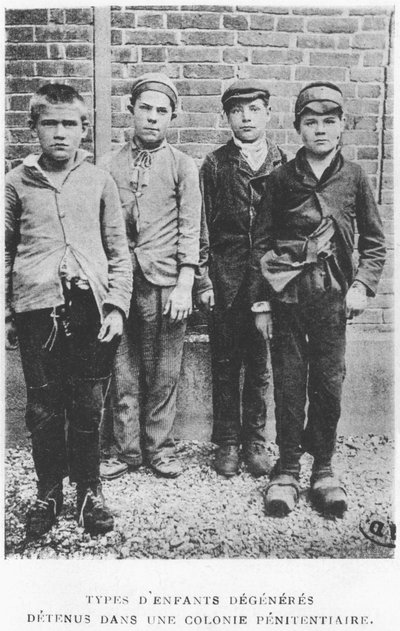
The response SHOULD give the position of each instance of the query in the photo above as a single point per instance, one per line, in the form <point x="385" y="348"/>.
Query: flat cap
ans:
<point x="246" y="89"/>
<point x="157" y="81"/>
<point x="320" y="98"/>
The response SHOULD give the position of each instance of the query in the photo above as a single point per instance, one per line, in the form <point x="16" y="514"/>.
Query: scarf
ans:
<point x="253" y="152"/>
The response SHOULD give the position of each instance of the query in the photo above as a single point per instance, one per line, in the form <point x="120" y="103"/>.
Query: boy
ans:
<point x="161" y="199"/>
<point x="233" y="179"/>
<point x="304" y="243"/>
<point x="68" y="287"/>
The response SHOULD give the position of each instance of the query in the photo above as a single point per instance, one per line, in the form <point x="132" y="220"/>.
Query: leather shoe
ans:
<point x="256" y="459"/>
<point x="226" y="460"/>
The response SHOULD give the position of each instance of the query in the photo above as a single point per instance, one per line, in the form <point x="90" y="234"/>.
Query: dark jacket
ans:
<point x="231" y="194"/>
<point x="295" y="201"/>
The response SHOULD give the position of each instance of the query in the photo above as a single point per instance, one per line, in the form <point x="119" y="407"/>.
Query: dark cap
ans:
<point x="246" y="89"/>
<point x="320" y="98"/>
<point x="156" y="81"/>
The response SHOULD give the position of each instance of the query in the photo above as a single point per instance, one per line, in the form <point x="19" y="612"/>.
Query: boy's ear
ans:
<point x="31" y="124"/>
<point x="173" y="115"/>
<point x="85" y="128"/>
<point x="130" y="108"/>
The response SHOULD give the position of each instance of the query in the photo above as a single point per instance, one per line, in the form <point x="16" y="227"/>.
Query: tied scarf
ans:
<point x="141" y="167"/>
<point x="253" y="152"/>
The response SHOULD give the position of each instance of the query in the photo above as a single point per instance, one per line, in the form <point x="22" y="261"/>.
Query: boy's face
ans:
<point x="248" y="119"/>
<point x="60" y="130"/>
<point x="152" y="114"/>
<point x="320" y="133"/>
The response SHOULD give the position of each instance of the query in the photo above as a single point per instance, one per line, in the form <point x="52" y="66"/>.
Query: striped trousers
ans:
<point x="147" y="366"/>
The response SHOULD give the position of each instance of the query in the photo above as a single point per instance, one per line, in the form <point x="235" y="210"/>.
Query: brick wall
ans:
<point x="203" y="49"/>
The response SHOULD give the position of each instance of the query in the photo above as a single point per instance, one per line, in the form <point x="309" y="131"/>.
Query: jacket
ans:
<point x="294" y="204"/>
<point x="163" y="222"/>
<point x="42" y="223"/>
<point x="231" y="195"/>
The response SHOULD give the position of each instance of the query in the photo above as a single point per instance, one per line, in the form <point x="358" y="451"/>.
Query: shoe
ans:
<point x="328" y="494"/>
<point x="43" y="514"/>
<point x="256" y="459"/>
<point x="226" y="460"/>
<point x="94" y="516"/>
<point x="112" y="468"/>
<point x="281" y="495"/>
<point x="166" y="465"/>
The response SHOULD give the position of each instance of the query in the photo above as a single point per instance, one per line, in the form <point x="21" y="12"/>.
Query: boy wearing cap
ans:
<point x="233" y="180"/>
<point x="68" y="289"/>
<point x="161" y="200"/>
<point x="304" y="285"/>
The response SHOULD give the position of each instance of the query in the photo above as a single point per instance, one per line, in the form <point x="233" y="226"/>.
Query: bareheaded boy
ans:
<point x="68" y="288"/>
<point x="233" y="179"/>
<point x="303" y="286"/>
<point x="161" y="200"/>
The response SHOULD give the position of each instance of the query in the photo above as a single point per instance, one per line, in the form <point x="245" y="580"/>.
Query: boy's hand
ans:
<point x="263" y="322"/>
<point x="112" y="326"/>
<point x="179" y="303"/>
<point x="11" y="336"/>
<point x="356" y="300"/>
<point x="206" y="301"/>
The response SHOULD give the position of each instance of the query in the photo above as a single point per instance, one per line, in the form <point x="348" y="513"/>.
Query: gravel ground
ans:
<point x="202" y="515"/>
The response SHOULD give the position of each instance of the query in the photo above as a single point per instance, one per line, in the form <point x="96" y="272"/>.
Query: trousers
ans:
<point x="142" y="407"/>
<point x="67" y="371"/>
<point x="239" y="408"/>
<point x="308" y="362"/>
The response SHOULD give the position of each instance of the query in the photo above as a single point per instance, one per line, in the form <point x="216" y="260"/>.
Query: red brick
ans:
<point x="196" y="120"/>
<point x="201" y="104"/>
<point x="172" y="136"/>
<point x="57" y="16"/>
<point x="150" y="20"/>
<point x="317" y="11"/>
<point x="315" y="41"/>
<point x="118" y="136"/>
<point x="121" y="87"/>
<point x="56" y="33"/>
<point x="198" y="152"/>
<point x="370" y="10"/>
<point x="374" y="24"/>
<point x="119" y="71"/>
<point x="121" y="120"/>
<point x="370" y="316"/>
<point x="364" y="122"/>
<point x="149" y="38"/>
<point x="79" y="16"/>
<point x="206" y="7"/>
<point x="21" y="151"/>
<point x="365" y="91"/>
<point x="79" y="51"/>
<point x="19" y="68"/>
<point x="123" y="20"/>
<point x="281" y="73"/>
<point x="366" y="75"/>
<point x="204" y="71"/>
<point x="84" y="86"/>
<point x="369" y="40"/>
<point x="386" y="286"/>
<point x="145" y="7"/>
<point x="334" y="59"/>
<point x="19" y="102"/>
<point x="259" y="38"/>
<point x="235" y="22"/>
<point x="277" y="56"/>
<point x="187" y="53"/>
<point x="262" y="22"/>
<point x="255" y="8"/>
<point x="333" y="25"/>
<point x="154" y="53"/>
<point x="194" y="88"/>
<point x="292" y="25"/>
<point x="193" y="20"/>
<point x="19" y="34"/>
<point x="360" y="138"/>
<point x="135" y="70"/>
<point x="34" y="16"/>
<point x="235" y="55"/>
<point x="216" y="38"/>
<point x="373" y="59"/>
<point x="388" y="151"/>
<point x="21" y="136"/>
<point x="217" y="136"/>
<point x="13" y="119"/>
<point x="388" y="316"/>
<point x="26" y="51"/>
<point x="320" y="74"/>
<point x="56" y="51"/>
<point x="63" y="69"/>
<point x="389" y="122"/>
<point x="116" y="37"/>
<point x="124" y="54"/>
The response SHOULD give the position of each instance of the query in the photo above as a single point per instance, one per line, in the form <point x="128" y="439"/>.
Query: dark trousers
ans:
<point x="308" y="358"/>
<point x="66" y="372"/>
<point x="236" y="343"/>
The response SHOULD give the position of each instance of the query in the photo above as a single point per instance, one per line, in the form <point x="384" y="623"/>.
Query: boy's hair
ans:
<point x="232" y="102"/>
<point x="55" y="93"/>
